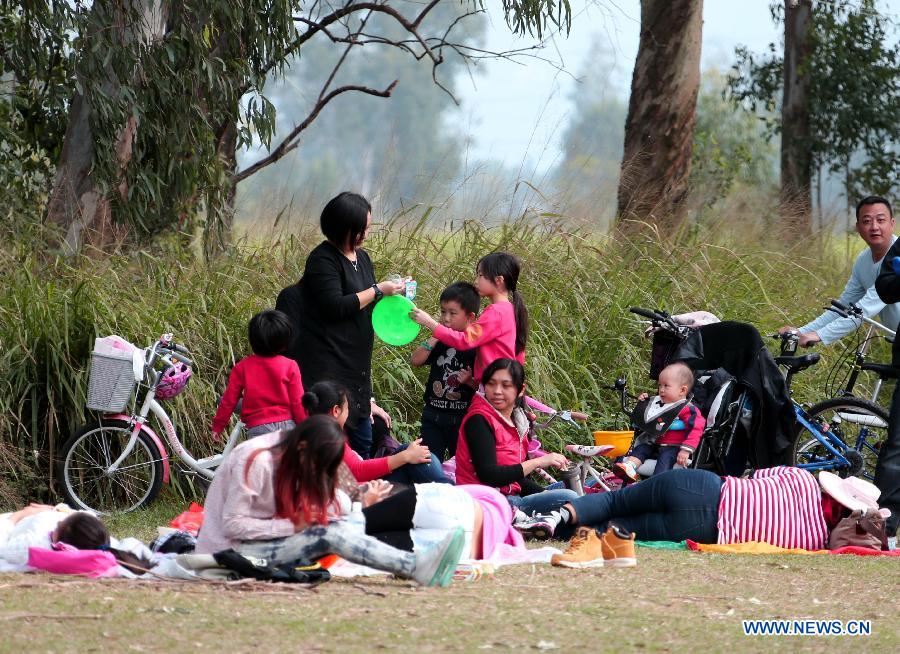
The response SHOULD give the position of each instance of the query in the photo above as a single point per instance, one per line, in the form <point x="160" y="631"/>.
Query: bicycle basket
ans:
<point x="111" y="383"/>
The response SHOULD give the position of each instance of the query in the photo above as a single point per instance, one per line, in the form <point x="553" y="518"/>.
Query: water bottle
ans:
<point x="412" y="285"/>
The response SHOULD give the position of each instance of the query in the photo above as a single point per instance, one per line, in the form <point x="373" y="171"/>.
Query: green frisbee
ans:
<point x="392" y="322"/>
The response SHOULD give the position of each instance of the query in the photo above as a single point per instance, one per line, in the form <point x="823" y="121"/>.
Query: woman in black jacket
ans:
<point x="331" y="308"/>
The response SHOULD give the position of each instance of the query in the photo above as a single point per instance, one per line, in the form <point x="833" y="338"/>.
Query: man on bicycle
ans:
<point x="875" y="224"/>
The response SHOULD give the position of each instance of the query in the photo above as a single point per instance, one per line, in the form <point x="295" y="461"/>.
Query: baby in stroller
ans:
<point x="668" y="427"/>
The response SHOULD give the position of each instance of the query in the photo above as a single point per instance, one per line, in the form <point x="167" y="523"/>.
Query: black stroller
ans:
<point x="738" y="388"/>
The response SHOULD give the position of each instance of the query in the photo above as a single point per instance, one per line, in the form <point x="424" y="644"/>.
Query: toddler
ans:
<point x="657" y="433"/>
<point x="268" y="384"/>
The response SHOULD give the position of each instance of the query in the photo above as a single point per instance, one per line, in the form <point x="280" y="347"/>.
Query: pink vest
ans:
<point x="511" y="448"/>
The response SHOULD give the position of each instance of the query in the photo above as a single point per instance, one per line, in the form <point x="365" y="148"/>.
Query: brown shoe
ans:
<point x="618" y="548"/>
<point x="584" y="551"/>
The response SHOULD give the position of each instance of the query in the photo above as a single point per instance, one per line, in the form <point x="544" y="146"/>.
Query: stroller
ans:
<point x="738" y="389"/>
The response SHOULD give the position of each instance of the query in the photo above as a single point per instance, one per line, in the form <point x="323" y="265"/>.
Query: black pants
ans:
<point x="440" y="431"/>
<point x="391" y="519"/>
<point x="887" y="470"/>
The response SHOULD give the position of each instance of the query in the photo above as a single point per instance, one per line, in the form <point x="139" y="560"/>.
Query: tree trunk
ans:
<point x="659" y="130"/>
<point x="796" y="165"/>
<point x="79" y="210"/>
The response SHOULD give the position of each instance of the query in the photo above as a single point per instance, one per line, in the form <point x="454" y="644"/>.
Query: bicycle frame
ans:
<point x="205" y="466"/>
<point x="834" y="445"/>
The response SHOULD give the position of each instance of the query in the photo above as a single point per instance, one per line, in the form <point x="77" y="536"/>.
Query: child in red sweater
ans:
<point x="501" y="331"/>
<point x="267" y="384"/>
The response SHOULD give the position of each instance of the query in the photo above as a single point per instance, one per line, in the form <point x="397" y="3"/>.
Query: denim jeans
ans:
<point x="440" y="431"/>
<point x="418" y="473"/>
<point x="673" y="505"/>
<point x="543" y="502"/>
<point x="665" y="455"/>
<point x="360" y="436"/>
<point x="345" y="538"/>
<point x="887" y="469"/>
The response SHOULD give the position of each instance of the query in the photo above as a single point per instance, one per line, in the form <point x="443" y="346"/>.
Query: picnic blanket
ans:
<point x="756" y="547"/>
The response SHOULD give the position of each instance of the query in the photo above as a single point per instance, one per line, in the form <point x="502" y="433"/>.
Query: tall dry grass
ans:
<point x="578" y="286"/>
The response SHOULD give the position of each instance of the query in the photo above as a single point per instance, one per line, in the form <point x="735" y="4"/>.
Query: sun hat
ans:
<point x="854" y="493"/>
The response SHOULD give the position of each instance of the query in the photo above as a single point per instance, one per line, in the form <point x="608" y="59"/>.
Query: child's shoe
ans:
<point x="626" y="471"/>
<point x="618" y="548"/>
<point x="585" y="550"/>
<point x="539" y="526"/>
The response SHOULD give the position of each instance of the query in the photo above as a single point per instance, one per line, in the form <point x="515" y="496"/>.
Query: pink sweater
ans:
<point x="494" y="334"/>
<point x="271" y="388"/>
<point x="365" y="469"/>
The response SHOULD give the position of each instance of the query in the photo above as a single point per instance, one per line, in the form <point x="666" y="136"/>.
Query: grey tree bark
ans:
<point x="659" y="130"/>
<point x="79" y="209"/>
<point x="796" y="164"/>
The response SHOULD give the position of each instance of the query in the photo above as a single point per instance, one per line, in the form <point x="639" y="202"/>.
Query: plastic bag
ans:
<point x="190" y="520"/>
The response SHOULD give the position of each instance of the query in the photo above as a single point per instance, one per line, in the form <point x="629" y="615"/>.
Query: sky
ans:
<point x="516" y="112"/>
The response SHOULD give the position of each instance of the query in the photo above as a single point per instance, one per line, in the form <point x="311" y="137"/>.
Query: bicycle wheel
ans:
<point x="860" y="424"/>
<point x="85" y="461"/>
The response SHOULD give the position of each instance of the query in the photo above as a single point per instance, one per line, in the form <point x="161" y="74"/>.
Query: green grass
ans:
<point x="578" y="286"/>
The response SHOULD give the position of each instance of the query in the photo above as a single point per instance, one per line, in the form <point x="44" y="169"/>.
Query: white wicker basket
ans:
<point x="111" y="383"/>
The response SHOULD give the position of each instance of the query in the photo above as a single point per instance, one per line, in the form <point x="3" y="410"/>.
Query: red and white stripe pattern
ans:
<point x="780" y="506"/>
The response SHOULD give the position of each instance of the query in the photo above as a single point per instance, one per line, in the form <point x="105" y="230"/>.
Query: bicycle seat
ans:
<point x="590" y="450"/>
<point x="796" y="364"/>
<point x="884" y="370"/>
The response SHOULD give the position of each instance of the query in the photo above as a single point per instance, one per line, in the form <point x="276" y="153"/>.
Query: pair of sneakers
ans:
<point x="436" y="565"/>
<point x="614" y="549"/>
<point x="626" y="471"/>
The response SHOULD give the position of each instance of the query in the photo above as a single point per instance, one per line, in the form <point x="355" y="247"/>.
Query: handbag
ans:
<point x="860" y="529"/>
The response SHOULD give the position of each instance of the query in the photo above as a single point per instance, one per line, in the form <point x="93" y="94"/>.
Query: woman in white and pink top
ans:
<point x="275" y="498"/>
<point x="782" y="506"/>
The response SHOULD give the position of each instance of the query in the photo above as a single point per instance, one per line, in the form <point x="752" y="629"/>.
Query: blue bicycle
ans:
<point x="841" y="434"/>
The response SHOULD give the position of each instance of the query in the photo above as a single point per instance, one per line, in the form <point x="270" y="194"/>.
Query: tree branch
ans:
<point x="290" y="142"/>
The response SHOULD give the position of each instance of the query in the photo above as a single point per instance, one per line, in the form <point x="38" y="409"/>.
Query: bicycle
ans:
<point x="581" y="476"/>
<point x="839" y="434"/>
<point x="118" y="462"/>
<point x="859" y="363"/>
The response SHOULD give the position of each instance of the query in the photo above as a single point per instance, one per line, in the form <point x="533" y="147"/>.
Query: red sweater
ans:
<point x="689" y="437"/>
<point x="365" y="469"/>
<point x="271" y="388"/>
<point x="494" y="334"/>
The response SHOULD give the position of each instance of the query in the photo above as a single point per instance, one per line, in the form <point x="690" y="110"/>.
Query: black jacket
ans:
<point x="887" y="285"/>
<point x="333" y="337"/>
<point x="739" y="349"/>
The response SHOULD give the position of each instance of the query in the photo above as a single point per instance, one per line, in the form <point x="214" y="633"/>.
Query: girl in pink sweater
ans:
<point x="267" y="384"/>
<point x="501" y="330"/>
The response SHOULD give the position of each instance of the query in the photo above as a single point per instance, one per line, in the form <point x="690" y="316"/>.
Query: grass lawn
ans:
<point x="672" y="601"/>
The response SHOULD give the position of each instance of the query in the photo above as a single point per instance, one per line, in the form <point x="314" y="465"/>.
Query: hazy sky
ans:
<point x="516" y="113"/>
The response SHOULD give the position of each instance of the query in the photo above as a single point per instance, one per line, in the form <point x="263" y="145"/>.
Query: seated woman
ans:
<point x="782" y="506"/>
<point x="414" y="464"/>
<point x="275" y="498"/>
<point x="492" y="446"/>
<point x="45" y="527"/>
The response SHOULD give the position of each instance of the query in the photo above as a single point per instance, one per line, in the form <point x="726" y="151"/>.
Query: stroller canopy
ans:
<point x="738" y="348"/>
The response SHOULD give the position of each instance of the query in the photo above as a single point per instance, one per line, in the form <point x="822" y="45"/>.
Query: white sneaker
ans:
<point x="539" y="526"/>
<point x="436" y="565"/>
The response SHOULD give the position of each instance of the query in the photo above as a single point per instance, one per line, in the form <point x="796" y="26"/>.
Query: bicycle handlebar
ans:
<point x="646" y="313"/>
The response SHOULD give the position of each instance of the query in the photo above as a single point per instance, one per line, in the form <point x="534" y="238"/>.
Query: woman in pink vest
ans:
<point x="492" y="444"/>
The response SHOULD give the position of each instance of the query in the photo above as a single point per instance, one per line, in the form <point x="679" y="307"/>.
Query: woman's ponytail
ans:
<point x="322" y="396"/>
<point x="310" y="402"/>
